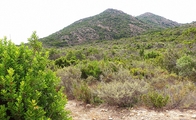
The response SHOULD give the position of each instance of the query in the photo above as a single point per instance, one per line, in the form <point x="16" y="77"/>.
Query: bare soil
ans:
<point x="80" y="111"/>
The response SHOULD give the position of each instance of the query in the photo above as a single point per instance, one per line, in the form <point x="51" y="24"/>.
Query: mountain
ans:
<point x="108" y="25"/>
<point x="156" y="21"/>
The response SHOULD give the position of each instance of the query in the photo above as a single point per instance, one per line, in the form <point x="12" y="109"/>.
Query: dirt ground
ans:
<point x="80" y="111"/>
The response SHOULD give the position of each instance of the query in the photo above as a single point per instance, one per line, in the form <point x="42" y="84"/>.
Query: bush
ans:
<point x="54" y="54"/>
<point x="151" y="55"/>
<point x="61" y="62"/>
<point x="123" y="94"/>
<point x="186" y="66"/>
<point x="181" y="94"/>
<point x="169" y="60"/>
<point x="70" y="77"/>
<point x="83" y="92"/>
<point x="91" y="68"/>
<point x="71" y="58"/>
<point x="27" y="87"/>
<point x="155" y="99"/>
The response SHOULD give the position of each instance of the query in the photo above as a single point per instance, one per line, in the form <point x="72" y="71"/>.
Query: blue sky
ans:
<point x="19" y="18"/>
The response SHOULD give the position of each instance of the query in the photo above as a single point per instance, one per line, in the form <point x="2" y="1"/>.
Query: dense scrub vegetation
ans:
<point x="157" y="70"/>
<point x="28" y="89"/>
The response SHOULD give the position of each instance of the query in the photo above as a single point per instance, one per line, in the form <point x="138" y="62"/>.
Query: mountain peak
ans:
<point x="147" y="14"/>
<point x="111" y="10"/>
<point x="156" y="21"/>
<point x="108" y="25"/>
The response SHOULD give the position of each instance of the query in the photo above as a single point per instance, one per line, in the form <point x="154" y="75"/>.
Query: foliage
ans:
<point x="156" y="21"/>
<point x="83" y="92"/>
<point x="54" y="54"/>
<point x="70" y="77"/>
<point x="34" y="43"/>
<point x="181" y="94"/>
<point x="186" y="66"/>
<point x="169" y="61"/>
<point x="27" y="87"/>
<point x="155" y="99"/>
<point x="95" y="70"/>
<point x="71" y="58"/>
<point x="151" y="55"/>
<point x="62" y="62"/>
<point x="91" y="68"/>
<point x="190" y="32"/>
<point x="122" y="93"/>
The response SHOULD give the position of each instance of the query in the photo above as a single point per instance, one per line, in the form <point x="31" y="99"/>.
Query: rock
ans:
<point x="191" y="111"/>
<point x="110" y="118"/>
<point x="123" y="117"/>
<point x="193" y="116"/>
<point x="161" y="114"/>
<point x="167" y="115"/>
<point x="103" y="110"/>
<point x="131" y="114"/>
<point x="88" y="105"/>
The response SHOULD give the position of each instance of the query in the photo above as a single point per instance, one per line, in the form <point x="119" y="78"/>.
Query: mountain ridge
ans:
<point x="108" y="25"/>
<point x="156" y="21"/>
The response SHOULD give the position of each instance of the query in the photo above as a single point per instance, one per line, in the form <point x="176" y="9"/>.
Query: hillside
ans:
<point x="108" y="25"/>
<point x="155" y="70"/>
<point x="155" y="21"/>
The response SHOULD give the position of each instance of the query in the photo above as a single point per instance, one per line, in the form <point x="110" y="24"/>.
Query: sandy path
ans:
<point x="80" y="111"/>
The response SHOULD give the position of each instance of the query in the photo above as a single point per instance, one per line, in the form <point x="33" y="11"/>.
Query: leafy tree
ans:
<point x="28" y="90"/>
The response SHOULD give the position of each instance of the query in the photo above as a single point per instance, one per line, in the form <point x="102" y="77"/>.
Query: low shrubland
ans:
<point x="122" y="94"/>
<point x="154" y="70"/>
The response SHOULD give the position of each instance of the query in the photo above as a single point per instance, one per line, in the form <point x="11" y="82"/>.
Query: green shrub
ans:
<point x="27" y="87"/>
<point x="186" y="66"/>
<point x="169" y="60"/>
<point x="141" y="52"/>
<point x="181" y="94"/>
<point x="83" y="92"/>
<point x="142" y="70"/>
<point x="71" y="58"/>
<point x="91" y="68"/>
<point x="70" y="77"/>
<point x="62" y="62"/>
<point x="138" y="71"/>
<point x="155" y="99"/>
<point x="75" y="55"/>
<point x="120" y="93"/>
<point x="190" y="32"/>
<point x="151" y="55"/>
<point x="54" y="54"/>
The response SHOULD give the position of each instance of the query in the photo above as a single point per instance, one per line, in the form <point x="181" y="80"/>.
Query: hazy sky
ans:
<point x="19" y="18"/>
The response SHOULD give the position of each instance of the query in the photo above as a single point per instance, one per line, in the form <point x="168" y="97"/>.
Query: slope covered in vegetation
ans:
<point x="156" y="69"/>
<point x="108" y="25"/>
<point x="156" y="21"/>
